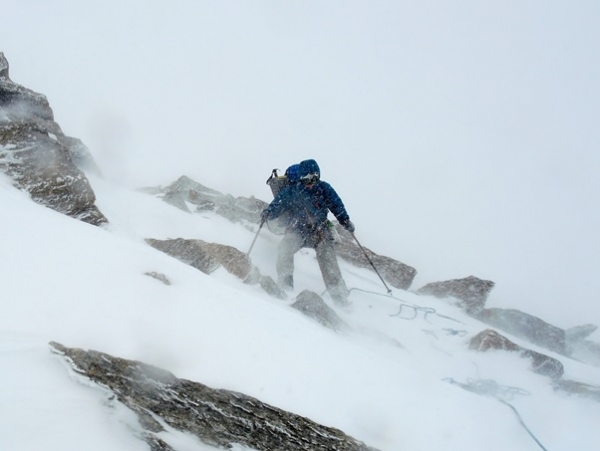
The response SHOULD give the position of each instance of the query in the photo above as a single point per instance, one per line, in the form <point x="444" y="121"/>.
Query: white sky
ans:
<point x="83" y="286"/>
<point x="462" y="136"/>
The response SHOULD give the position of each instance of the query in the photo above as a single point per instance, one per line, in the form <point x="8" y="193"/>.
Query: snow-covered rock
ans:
<point x="37" y="155"/>
<point x="217" y="417"/>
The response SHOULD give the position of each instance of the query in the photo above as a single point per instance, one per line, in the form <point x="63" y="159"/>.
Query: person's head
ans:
<point x="310" y="173"/>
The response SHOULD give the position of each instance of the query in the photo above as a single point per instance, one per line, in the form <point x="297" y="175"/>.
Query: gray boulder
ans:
<point x="207" y="257"/>
<point x="313" y="306"/>
<point x="540" y="363"/>
<point x="218" y="417"/>
<point x="394" y="272"/>
<point x="38" y="157"/>
<point x="579" y="347"/>
<point x="186" y="191"/>
<point x="525" y="326"/>
<point x="471" y="291"/>
<point x="190" y="252"/>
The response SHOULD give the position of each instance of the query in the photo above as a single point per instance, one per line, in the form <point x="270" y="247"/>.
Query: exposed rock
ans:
<point x="397" y="274"/>
<point x="190" y="252"/>
<point x="270" y="286"/>
<point x="207" y="257"/>
<point x="471" y="291"/>
<point x="155" y="443"/>
<point x="585" y="350"/>
<point x="185" y="190"/>
<point x="525" y="326"/>
<point x="217" y="417"/>
<point x="3" y="66"/>
<point x="578" y="333"/>
<point x="159" y="276"/>
<point x="540" y="363"/>
<point x="233" y="260"/>
<point x="313" y="306"/>
<point x="38" y="157"/>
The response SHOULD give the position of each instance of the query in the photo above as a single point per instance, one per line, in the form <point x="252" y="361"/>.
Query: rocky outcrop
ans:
<point x="185" y="192"/>
<point x="207" y="257"/>
<point x="396" y="273"/>
<point x="471" y="291"/>
<point x="525" y="326"/>
<point x="540" y="363"/>
<point x="313" y="306"/>
<point x="587" y="351"/>
<point x="218" y="417"/>
<point x="579" y="347"/>
<point x="194" y="253"/>
<point x="38" y="157"/>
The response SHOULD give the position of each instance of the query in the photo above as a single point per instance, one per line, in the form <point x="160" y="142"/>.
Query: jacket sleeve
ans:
<point x="335" y="204"/>
<point x="279" y="204"/>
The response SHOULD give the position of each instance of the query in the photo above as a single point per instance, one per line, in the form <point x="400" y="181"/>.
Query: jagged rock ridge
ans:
<point x="217" y="417"/>
<point x="472" y="293"/>
<point x="38" y="157"/>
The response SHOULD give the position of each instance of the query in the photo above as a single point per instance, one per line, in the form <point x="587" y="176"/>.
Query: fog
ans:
<point x="462" y="136"/>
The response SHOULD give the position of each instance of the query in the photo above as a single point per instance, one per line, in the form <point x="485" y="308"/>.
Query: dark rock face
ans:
<point x="219" y="418"/>
<point x="471" y="291"/>
<point x="38" y="157"/>
<point x="313" y="306"/>
<point x="525" y="326"/>
<point x="397" y="274"/>
<point x="540" y="363"/>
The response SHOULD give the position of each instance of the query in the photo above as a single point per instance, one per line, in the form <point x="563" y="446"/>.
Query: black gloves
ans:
<point x="347" y="224"/>
<point x="264" y="216"/>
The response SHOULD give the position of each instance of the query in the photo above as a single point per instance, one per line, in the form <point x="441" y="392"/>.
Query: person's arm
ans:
<point x="336" y="206"/>
<point x="278" y="205"/>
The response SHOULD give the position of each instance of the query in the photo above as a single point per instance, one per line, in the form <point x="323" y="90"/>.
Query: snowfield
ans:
<point x="387" y="382"/>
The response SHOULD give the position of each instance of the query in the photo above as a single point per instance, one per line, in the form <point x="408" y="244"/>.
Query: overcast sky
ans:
<point x="462" y="136"/>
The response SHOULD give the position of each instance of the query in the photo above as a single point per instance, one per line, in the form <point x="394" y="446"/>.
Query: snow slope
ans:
<point x="382" y="383"/>
<point x="478" y="120"/>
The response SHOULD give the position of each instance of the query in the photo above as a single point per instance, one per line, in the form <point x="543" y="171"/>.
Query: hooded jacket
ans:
<point x="308" y="207"/>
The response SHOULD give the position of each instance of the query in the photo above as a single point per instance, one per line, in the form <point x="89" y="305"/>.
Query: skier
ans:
<point x="307" y="202"/>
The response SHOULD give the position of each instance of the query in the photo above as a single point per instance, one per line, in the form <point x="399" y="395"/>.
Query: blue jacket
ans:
<point x="308" y="208"/>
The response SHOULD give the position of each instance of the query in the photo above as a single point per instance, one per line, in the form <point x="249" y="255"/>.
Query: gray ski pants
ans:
<point x="326" y="257"/>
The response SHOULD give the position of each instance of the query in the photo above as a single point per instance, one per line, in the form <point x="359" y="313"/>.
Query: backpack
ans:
<point x="277" y="182"/>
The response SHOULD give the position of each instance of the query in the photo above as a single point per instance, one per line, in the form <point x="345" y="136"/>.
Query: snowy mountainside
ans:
<point x="386" y="382"/>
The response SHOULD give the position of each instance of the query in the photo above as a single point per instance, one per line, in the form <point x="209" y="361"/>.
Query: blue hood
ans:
<point x="309" y="167"/>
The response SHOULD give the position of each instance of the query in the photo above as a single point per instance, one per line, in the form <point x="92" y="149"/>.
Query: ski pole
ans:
<point x="255" y="237"/>
<point x="374" y="269"/>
